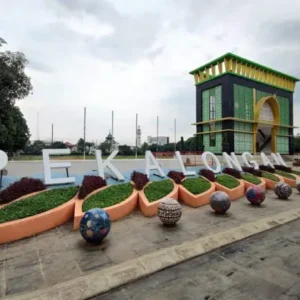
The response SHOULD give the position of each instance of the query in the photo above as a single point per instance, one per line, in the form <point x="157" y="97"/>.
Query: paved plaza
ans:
<point x="61" y="254"/>
<point x="263" y="267"/>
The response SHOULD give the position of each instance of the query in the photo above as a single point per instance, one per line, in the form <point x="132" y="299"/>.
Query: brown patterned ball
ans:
<point x="282" y="190"/>
<point x="169" y="211"/>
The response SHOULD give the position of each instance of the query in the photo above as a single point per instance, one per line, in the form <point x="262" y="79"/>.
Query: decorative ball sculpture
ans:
<point x="95" y="225"/>
<point x="298" y="185"/>
<point x="255" y="195"/>
<point x="220" y="202"/>
<point x="282" y="190"/>
<point x="169" y="211"/>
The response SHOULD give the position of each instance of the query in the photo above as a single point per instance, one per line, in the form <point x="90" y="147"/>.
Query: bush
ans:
<point x="110" y="196"/>
<point x="36" y="204"/>
<point x="267" y="168"/>
<point x="283" y="168"/>
<point x="285" y="174"/>
<point x="252" y="171"/>
<point x="196" y="185"/>
<point x="139" y="179"/>
<point x="21" y="188"/>
<point x="176" y="176"/>
<point x="251" y="178"/>
<point x="270" y="176"/>
<point x="295" y="172"/>
<point x="89" y="184"/>
<point x="233" y="172"/>
<point x="257" y="173"/>
<point x="158" y="189"/>
<point x="227" y="181"/>
<point x="208" y="174"/>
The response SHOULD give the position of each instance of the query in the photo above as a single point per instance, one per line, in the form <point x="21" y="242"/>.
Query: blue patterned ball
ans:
<point x="282" y="190"/>
<point x="255" y="195"/>
<point x="95" y="225"/>
<point x="220" y="202"/>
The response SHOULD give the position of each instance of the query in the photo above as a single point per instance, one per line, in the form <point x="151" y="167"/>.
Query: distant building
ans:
<point x="162" y="140"/>
<point x="111" y="142"/>
<point x="139" y="137"/>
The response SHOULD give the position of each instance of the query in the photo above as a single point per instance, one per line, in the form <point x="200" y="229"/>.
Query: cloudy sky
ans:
<point x="133" y="56"/>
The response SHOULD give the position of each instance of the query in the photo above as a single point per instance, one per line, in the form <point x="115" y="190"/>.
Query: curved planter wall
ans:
<point x="234" y="193"/>
<point x="116" y="212"/>
<point x="289" y="181"/>
<point x="270" y="184"/>
<point x="149" y="209"/>
<point x="262" y="184"/>
<point x="19" y="229"/>
<point x="196" y="200"/>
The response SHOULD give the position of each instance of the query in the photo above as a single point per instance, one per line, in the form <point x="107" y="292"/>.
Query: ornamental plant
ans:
<point x="233" y="172"/>
<point x="139" y="179"/>
<point x="283" y="168"/>
<point x="267" y="168"/>
<point x="89" y="184"/>
<point x="208" y="174"/>
<point x="248" y="169"/>
<point x="21" y="188"/>
<point x="176" y="176"/>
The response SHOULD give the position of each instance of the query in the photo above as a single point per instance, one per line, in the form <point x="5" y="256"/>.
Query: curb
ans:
<point x="102" y="281"/>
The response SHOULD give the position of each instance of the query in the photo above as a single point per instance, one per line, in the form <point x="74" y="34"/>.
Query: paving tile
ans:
<point x="23" y="268"/>
<point x="49" y="244"/>
<point x="58" y="268"/>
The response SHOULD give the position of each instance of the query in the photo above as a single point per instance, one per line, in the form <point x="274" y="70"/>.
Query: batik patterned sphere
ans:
<point x="95" y="225"/>
<point x="282" y="190"/>
<point x="169" y="211"/>
<point x="298" y="185"/>
<point x="255" y="195"/>
<point x="220" y="202"/>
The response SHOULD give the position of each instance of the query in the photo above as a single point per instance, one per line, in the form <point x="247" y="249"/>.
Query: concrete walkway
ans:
<point x="61" y="255"/>
<point x="263" y="267"/>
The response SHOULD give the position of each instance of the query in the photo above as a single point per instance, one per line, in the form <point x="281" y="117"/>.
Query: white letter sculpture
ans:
<point x="107" y="163"/>
<point x="183" y="169"/>
<point x="152" y="164"/>
<point x="218" y="165"/>
<point x="232" y="161"/>
<point x="48" y="166"/>
<point x="278" y="159"/>
<point x="3" y="159"/>
<point x="251" y="163"/>
<point x="265" y="160"/>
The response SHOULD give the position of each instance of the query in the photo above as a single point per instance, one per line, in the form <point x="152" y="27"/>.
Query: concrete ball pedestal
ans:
<point x="283" y="190"/>
<point x="169" y="211"/>
<point x="220" y="202"/>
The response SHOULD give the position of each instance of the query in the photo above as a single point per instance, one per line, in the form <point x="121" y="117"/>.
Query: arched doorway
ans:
<point x="266" y="121"/>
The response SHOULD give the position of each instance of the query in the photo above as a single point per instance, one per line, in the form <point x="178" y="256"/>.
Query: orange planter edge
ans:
<point x="263" y="183"/>
<point x="270" y="184"/>
<point x="196" y="200"/>
<point x="149" y="209"/>
<point x="19" y="229"/>
<point x="289" y="181"/>
<point x="234" y="193"/>
<point x="116" y="212"/>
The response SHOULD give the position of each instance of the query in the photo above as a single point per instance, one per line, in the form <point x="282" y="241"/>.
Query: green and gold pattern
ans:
<point x="282" y="145"/>
<point x="284" y="110"/>
<point x="243" y="142"/>
<point x="243" y="102"/>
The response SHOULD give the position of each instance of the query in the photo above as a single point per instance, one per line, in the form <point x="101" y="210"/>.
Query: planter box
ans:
<point x="234" y="193"/>
<point x="116" y="212"/>
<point x="289" y="181"/>
<point x="19" y="229"/>
<point x="149" y="209"/>
<point x="270" y="184"/>
<point x="262" y="184"/>
<point x="196" y="200"/>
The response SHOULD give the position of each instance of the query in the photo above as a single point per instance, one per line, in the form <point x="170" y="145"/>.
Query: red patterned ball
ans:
<point x="255" y="195"/>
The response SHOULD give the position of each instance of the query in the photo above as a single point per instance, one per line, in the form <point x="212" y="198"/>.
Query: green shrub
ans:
<point x="227" y="181"/>
<point x="296" y="172"/>
<point x="36" y="204"/>
<point x="285" y="174"/>
<point x="158" y="189"/>
<point x="270" y="176"/>
<point x="196" y="185"/>
<point x="112" y="195"/>
<point x="251" y="178"/>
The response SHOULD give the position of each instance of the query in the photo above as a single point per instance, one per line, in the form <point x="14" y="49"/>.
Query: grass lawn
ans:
<point x="227" y="181"/>
<point x="285" y="174"/>
<point x="158" y="189"/>
<point x="70" y="157"/>
<point x="296" y="172"/>
<point x="110" y="196"/>
<point x="270" y="176"/>
<point x="36" y="204"/>
<point x="251" y="178"/>
<point x="196" y="185"/>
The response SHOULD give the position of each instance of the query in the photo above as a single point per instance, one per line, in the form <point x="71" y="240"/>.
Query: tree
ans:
<point x="125" y="150"/>
<point x="182" y="145"/>
<point x="14" y="84"/>
<point x="35" y="148"/>
<point x="80" y="145"/>
<point x="59" y="145"/>
<point x="144" y="148"/>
